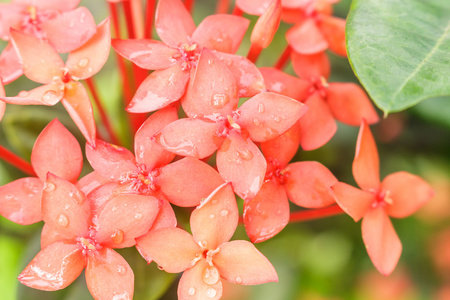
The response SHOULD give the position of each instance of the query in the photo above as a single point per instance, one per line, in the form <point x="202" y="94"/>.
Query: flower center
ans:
<point x="320" y="85"/>
<point x="275" y="171"/>
<point x="383" y="197"/>
<point x="142" y="181"/>
<point x="188" y="55"/>
<point x="88" y="245"/>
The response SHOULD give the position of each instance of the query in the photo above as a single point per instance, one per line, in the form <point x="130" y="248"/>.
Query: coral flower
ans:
<point x="207" y="256"/>
<point x="399" y="195"/>
<point x="2" y="104"/>
<point x="41" y="63"/>
<point x="56" y="150"/>
<point x="75" y="238"/>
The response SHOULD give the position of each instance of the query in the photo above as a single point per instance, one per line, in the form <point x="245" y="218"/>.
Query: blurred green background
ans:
<point x="315" y="260"/>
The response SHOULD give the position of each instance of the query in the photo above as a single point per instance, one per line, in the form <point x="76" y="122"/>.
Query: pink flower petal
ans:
<point x="408" y="193"/>
<point x="366" y="165"/>
<point x="193" y="286"/>
<point x="308" y="184"/>
<point x="267" y="25"/>
<point x="190" y="137"/>
<point x="171" y="248"/>
<point x="147" y="54"/>
<point x="109" y="276"/>
<point x="279" y="82"/>
<point x="173" y="22"/>
<point x="2" y="104"/>
<point x="90" y="182"/>
<point x="125" y="218"/>
<point x="240" y="262"/>
<point x="70" y="30"/>
<point x="159" y="89"/>
<point x="381" y="240"/>
<point x="40" y="61"/>
<point x="247" y="76"/>
<point x="64" y="208"/>
<point x="350" y="104"/>
<point x="56" y="150"/>
<point x="214" y="221"/>
<point x="48" y="94"/>
<point x="187" y="181"/>
<point x="253" y="7"/>
<point x="267" y="115"/>
<point x="166" y="217"/>
<point x="353" y="201"/>
<point x="221" y="32"/>
<point x="20" y="200"/>
<point x="240" y="162"/>
<point x="54" y="268"/>
<point x="147" y="151"/>
<point x="312" y="65"/>
<point x="333" y="30"/>
<point x="11" y="15"/>
<point x="87" y="60"/>
<point x="284" y="147"/>
<point x="267" y="213"/>
<point x="317" y="126"/>
<point x="78" y="105"/>
<point x="60" y="5"/>
<point x="305" y="38"/>
<point x="50" y="236"/>
<point x="211" y="90"/>
<point x="10" y="66"/>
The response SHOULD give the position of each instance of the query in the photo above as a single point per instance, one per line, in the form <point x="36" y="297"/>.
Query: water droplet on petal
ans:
<point x="121" y="269"/>
<point x="224" y="212"/>
<point x="82" y="63"/>
<point x="117" y="237"/>
<point x="138" y="216"/>
<point x="256" y="122"/>
<point x="191" y="291"/>
<point x="211" y="293"/>
<point x="9" y="197"/>
<point x="49" y="187"/>
<point x="210" y="275"/>
<point x="219" y="100"/>
<point x="261" y="108"/>
<point x="23" y="94"/>
<point x="210" y="61"/>
<point x="212" y="216"/>
<point x="276" y="119"/>
<point x="50" y="96"/>
<point x="238" y="280"/>
<point x="63" y="221"/>
<point x="245" y="154"/>
<point x="114" y="208"/>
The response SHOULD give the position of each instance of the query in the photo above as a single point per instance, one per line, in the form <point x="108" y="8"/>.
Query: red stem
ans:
<point x="137" y="18"/>
<point x="149" y="14"/>
<point x="91" y="85"/>
<point x="254" y="53"/>
<point x="222" y="6"/>
<point x="128" y="18"/>
<point x="16" y="161"/>
<point x="312" y="214"/>
<point x="281" y="63"/>
<point x="189" y="4"/>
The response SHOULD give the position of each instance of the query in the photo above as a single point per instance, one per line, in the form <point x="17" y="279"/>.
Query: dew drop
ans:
<point x="219" y="100"/>
<point x="256" y="122"/>
<point x="210" y="275"/>
<point x="211" y="293"/>
<point x="49" y="187"/>
<point x="261" y="108"/>
<point x="212" y="216"/>
<point x="121" y="269"/>
<point x="114" y="208"/>
<point x="276" y="119"/>
<point x="23" y="94"/>
<point x="63" y="221"/>
<point x="210" y="61"/>
<point x="238" y="280"/>
<point x="191" y="291"/>
<point x="224" y="212"/>
<point x="138" y="216"/>
<point x="50" y="96"/>
<point x="117" y="237"/>
<point x="245" y="154"/>
<point x="82" y="63"/>
<point x="9" y="197"/>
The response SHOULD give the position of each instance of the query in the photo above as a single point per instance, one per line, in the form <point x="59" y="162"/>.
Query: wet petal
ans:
<point x="147" y="151"/>
<point x="100" y="196"/>
<point x="267" y="25"/>
<point x="284" y="147"/>
<point x="381" y="240"/>
<point x="166" y="217"/>
<point x="54" y="268"/>
<point x="305" y="38"/>
<point x="125" y="218"/>
<point x="57" y="151"/>
<point x="90" y="182"/>
<point x="173" y="22"/>
<point x="193" y="287"/>
<point x="311" y="66"/>
<point x="282" y="83"/>
<point x="70" y="30"/>
<point x="20" y="200"/>
<point x="214" y="221"/>
<point x="159" y="89"/>
<point x="60" y="5"/>
<point x="48" y="94"/>
<point x="333" y="30"/>
<point x="317" y="126"/>
<point x="108" y="276"/>
<point x="408" y="193"/>
<point x="350" y="104"/>
<point x="190" y="137"/>
<point x="253" y="7"/>
<point x="353" y="201"/>
<point x="64" y="208"/>
<point x="11" y="68"/>
<point x="211" y="90"/>
<point x="308" y="184"/>
<point x="50" y="236"/>
<point x="40" y="61"/>
<point x="171" y="248"/>
<point x="87" y="60"/>
<point x="221" y="32"/>
<point x="2" y="104"/>
<point x="78" y="105"/>
<point x="240" y="162"/>
<point x="11" y="15"/>
<point x="267" y="213"/>
<point x="187" y="181"/>
<point x="267" y="115"/>
<point x="247" y="76"/>
<point x="147" y="54"/>
<point x="240" y="262"/>
<point x="366" y="165"/>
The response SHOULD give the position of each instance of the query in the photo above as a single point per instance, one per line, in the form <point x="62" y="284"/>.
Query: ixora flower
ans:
<point x="207" y="256"/>
<point x="399" y="195"/>
<point x="2" y="104"/>
<point x="41" y="63"/>
<point x="74" y="238"/>
<point x="175" y="59"/>
<point x="56" y="150"/>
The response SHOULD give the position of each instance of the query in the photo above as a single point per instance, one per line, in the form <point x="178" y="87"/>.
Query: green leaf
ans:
<point x="400" y="50"/>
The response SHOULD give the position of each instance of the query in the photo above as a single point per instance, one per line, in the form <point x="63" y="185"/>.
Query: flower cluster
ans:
<point x="206" y="101"/>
